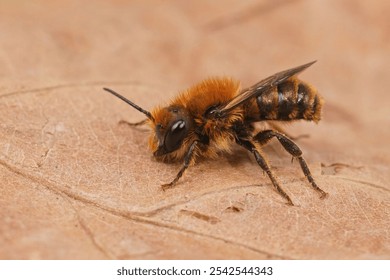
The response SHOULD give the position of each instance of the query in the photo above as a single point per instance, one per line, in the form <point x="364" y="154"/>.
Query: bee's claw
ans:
<point x="323" y="195"/>
<point x="164" y="187"/>
<point x="290" y="203"/>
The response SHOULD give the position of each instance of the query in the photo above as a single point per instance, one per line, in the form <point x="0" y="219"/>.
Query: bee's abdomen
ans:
<point x="290" y="100"/>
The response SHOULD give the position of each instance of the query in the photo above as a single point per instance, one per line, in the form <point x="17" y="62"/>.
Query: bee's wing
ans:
<point x="261" y="87"/>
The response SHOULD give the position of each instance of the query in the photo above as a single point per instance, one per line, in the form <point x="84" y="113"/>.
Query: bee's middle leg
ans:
<point x="187" y="160"/>
<point x="264" y="165"/>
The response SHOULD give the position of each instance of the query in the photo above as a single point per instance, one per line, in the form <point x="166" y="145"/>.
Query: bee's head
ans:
<point x="171" y="126"/>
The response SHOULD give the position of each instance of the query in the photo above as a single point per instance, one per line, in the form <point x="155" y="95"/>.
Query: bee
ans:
<point x="211" y="117"/>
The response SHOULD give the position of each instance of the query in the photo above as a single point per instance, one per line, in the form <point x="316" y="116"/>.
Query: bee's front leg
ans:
<point x="187" y="160"/>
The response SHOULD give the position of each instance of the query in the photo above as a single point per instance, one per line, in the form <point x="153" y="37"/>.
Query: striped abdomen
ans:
<point x="290" y="100"/>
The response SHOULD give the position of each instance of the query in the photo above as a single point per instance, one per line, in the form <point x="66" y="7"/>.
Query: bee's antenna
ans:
<point x="148" y="114"/>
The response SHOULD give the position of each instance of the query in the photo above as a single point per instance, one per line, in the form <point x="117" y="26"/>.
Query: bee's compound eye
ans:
<point x="175" y="136"/>
<point x="210" y="112"/>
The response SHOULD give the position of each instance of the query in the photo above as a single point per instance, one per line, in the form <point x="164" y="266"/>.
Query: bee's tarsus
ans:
<point x="309" y="177"/>
<point x="187" y="160"/>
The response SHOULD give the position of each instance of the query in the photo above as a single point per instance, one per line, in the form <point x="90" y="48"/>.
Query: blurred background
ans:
<point x="173" y="44"/>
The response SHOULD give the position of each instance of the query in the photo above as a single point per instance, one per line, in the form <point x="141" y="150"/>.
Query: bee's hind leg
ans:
<point x="264" y="136"/>
<point x="187" y="160"/>
<point x="264" y="165"/>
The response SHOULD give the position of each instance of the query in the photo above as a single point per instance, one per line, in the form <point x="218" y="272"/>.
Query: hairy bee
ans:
<point x="212" y="116"/>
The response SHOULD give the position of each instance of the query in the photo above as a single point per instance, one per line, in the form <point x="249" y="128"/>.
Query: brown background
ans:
<point x="76" y="184"/>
